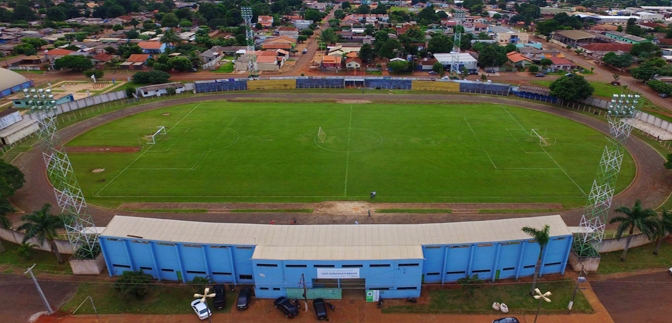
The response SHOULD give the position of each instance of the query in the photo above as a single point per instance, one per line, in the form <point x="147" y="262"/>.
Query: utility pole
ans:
<point x="39" y="290"/>
<point x="305" y="291"/>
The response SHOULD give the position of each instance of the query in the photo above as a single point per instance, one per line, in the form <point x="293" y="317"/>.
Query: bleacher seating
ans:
<point x="320" y="83"/>
<point x="382" y="83"/>
<point x="221" y="85"/>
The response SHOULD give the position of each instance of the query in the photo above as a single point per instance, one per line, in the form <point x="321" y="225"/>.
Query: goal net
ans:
<point x="543" y="141"/>
<point x="321" y="135"/>
<point x="151" y="139"/>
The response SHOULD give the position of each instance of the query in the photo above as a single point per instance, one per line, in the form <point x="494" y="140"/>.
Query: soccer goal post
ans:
<point x="321" y="135"/>
<point x="543" y="141"/>
<point x="152" y="138"/>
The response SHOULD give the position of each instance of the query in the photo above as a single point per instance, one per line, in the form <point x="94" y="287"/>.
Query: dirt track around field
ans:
<point x="652" y="183"/>
<point x="101" y="149"/>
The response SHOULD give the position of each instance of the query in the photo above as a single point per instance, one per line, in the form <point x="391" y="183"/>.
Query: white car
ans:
<point x="201" y="309"/>
<point x="669" y="271"/>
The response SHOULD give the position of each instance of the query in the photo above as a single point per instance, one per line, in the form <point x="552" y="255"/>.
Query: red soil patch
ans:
<point x="102" y="149"/>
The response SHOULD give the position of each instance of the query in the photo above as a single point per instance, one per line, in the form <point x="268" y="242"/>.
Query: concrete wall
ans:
<point x="12" y="236"/>
<point x="436" y="86"/>
<point x="609" y="245"/>
<point x="653" y="120"/>
<point x="271" y="84"/>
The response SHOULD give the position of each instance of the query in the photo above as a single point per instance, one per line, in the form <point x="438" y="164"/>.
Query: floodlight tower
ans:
<point x="457" y="39"/>
<point x="42" y="106"/>
<point x="247" y="14"/>
<point x="594" y="220"/>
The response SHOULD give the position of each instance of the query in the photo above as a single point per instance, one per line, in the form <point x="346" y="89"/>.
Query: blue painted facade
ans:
<point x="16" y="88"/>
<point x="395" y="278"/>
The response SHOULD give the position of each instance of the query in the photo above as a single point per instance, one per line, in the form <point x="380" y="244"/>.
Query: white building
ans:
<point x="463" y="59"/>
<point x="160" y="89"/>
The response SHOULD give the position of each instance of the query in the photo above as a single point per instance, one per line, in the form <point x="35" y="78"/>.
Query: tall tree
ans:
<point x="541" y="237"/>
<point x="5" y="207"/>
<point x="664" y="228"/>
<point x="571" y="88"/>
<point x="638" y="218"/>
<point x="42" y="225"/>
<point x="328" y="36"/>
<point x="171" y="37"/>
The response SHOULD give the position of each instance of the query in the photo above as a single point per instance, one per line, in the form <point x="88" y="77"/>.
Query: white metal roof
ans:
<point x="447" y="58"/>
<point x="331" y="242"/>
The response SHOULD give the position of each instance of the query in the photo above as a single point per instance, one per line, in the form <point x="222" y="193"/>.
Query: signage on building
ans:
<point x="337" y="273"/>
<point x="372" y="295"/>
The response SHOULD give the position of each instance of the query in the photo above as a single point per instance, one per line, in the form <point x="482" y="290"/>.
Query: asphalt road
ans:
<point x="19" y="298"/>
<point x="641" y="299"/>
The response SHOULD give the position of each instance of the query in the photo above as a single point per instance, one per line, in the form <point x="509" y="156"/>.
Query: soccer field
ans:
<point x="271" y="152"/>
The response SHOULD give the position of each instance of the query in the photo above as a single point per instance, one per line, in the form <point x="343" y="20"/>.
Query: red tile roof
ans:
<point x="138" y="58"/>
<point x="103" y="57"/>
<point x="353" y="59"/>
<point x="59" y="52"/>
<point x="276" y="46"/>
<point x="607" y="47"/>
<point x="517" y="57"/>
<point x="560" y="61"/>
<point x="150" y="45"/>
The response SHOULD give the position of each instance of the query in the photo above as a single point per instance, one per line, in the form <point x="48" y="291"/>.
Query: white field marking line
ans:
<point x="347" y="154"/>
<point x="547" y="154"/>
<point x="143" y="153"/>
<point x="479" y="141"/>
<point x="173" y="144"/>
<point x="198" y="162"/>
<point x="185" y="116"/>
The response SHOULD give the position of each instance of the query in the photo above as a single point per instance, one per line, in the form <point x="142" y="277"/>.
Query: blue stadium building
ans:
<point x="282" y="260"/>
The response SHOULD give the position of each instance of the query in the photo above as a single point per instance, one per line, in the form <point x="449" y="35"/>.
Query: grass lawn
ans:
<point x="637" y="258"/>
<point x="515" y="296"/>
<point x="602" y="90"/>
<point x="46" y="261"/>
<point x="225" y="68"/>
<point x="271" y="152"/>
<point x="164" y="299"/>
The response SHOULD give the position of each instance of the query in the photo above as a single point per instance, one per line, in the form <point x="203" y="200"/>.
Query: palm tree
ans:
<point x="43" y="225"/>
<point x="171" y="38"/>
<point x="664" y="228"/>
<point x="642" y="219"/>
<point x="542" y="237"/>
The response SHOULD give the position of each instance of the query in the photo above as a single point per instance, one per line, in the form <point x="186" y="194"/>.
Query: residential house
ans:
<point x="276" y="46"/>
<point x="135" y="62"/>
<point x="343" y="49"/>
<point x="267" y="61"/>
<point x="57" y="53"/>
<point x="560" y="63"/>
<point x="265" y="21"/>
<point x="292" y="32"/>
<point x="518" y="61"/>
<point x="331" y="62"/>
<point x="536" y="55"/>
<point x="100" y="60"/>
<point x="302" y="24"/>
<point x="321" y="6"/>
<point x="353" y="63"/>
<point x="152" y="47"/>
<point x="426" y="64"/>
<point x="280" y="42"/>
<point x="506" y="36"/>
<point x="598" y="50"/>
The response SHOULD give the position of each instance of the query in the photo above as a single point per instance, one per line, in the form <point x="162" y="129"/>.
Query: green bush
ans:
<point x="199" y="284"/>
<point x="151" y="77"/>
<point x="130" y="91"/>
<point x="134" y="284"/>
<point x="25" y="251"/>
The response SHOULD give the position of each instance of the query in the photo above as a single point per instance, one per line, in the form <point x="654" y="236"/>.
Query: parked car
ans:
<point x="433" y="73"/>
<point x="305" y="50"/>
<point x="320" y="308"/>
<point x="220" y="299"/>
<point x="506" y="320"/>
<point x="540" y="75"/>
<point x="663" y="95"/>
<point x="244" y="297"/>
<point x="286" y="306"/>
<point x="202" y="311"/>
<point x="615" y="83"/>
<point x="670" y="270"/>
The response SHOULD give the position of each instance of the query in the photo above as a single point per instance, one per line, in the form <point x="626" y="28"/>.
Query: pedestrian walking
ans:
<point x="369" y="213"/>
<point x="272" y="221"/>
<point x="356" y="222"/>
<point x="294" y="221"/>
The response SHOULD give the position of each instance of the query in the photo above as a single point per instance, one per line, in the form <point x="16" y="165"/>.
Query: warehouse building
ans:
<point x="280" y="260"/>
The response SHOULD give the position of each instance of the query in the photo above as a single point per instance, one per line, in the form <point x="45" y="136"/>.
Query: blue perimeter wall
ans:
<point x="392" y="83"/>
<point x="397" y="278"/>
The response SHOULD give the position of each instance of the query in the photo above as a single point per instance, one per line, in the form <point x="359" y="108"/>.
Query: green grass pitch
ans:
<point x="270" y="152"/>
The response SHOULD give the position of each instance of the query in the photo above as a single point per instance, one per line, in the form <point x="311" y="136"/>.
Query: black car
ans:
<point x="244" y="297"/>
<point x="506" y="320"/>
<point x="286" y="306"/>
<point x="220" y="299"/>
<point x="320" y="308"/>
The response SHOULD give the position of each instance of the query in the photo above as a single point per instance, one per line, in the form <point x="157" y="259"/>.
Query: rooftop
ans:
<point x="150" y="45"/>
<point x="138" y="58"/>
<point x="575" y="34"/>
<point x="607" y="47"/>
<point x="331" y="242"/>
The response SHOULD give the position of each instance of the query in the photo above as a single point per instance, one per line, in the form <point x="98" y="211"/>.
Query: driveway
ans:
<point x="19" y="298"/>
<point x="642" y="298"/>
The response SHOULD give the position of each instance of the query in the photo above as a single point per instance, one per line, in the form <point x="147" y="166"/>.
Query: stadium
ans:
<point x="284" y="147"/>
